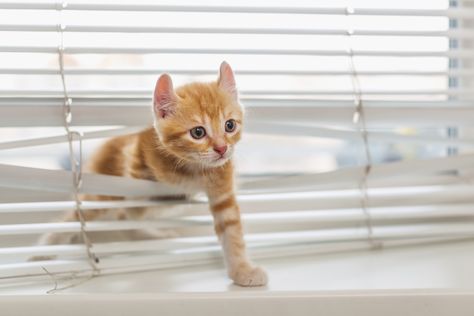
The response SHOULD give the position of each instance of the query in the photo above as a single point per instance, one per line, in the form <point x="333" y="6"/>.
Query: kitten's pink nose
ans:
<point x="220" y="149"/>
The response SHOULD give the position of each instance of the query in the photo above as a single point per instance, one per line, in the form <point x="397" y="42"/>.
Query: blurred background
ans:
<point x="328" y="78"/>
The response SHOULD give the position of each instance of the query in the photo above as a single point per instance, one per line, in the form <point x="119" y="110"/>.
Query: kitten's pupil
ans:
<point x="230" y="126"/>
<point x="198" y="132"/>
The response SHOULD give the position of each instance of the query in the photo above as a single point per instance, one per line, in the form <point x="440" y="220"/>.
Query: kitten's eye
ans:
<point x="198" y="132"/>
<point x="230" y="126"/>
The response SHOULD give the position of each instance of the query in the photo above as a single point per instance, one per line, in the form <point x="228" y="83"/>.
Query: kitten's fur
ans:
<point x="167" y="152"/>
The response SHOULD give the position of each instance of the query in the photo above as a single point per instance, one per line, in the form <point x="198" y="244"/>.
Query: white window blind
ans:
<point x="351" y="110"/>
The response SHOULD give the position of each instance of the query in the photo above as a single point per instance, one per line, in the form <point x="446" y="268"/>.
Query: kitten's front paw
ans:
<point x="248" y="275"/>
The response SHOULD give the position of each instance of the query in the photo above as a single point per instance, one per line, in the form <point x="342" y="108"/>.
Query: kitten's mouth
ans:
<point x="219" y="161"/>
<point x="215" y="160"/>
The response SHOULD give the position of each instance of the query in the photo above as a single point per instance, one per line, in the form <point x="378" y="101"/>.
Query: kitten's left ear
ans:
<point x="164" y="98"/>
<point x="226" y="80"/>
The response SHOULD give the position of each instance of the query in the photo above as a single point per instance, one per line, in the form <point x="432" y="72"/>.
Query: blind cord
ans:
<point x="76" y="163"/>
<point x="360" y="121"/>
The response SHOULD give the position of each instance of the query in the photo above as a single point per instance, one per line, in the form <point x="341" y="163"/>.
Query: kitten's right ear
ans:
<point x="226" y="80"/>
<point x="164" y="98"/>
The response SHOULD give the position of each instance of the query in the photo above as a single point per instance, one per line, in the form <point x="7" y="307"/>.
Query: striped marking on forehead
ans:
<point x="197" y="120"/>
<point x="208" y="125"/>
<point x="218" y="123"/>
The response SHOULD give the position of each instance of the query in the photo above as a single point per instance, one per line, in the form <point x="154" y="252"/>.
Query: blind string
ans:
<point x="76" y="163"/>
<point x="360" y="121"/>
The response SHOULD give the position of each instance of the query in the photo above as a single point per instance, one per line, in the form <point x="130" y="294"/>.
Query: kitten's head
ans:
<point x="199" y="122"/>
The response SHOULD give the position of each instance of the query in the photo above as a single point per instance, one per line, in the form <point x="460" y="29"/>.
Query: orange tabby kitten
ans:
<point x="190" y="146"/>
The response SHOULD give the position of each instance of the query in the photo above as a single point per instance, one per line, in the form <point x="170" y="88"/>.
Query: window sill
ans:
<point x="428" y="280"/>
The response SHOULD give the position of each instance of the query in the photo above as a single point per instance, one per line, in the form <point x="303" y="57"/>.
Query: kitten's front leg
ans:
<point x="227" y="224"/>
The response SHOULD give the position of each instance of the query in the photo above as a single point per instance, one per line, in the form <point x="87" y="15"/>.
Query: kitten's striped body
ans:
<point x="169" y="153"/>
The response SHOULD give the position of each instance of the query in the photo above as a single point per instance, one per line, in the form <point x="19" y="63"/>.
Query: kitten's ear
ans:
<point x="164" y="98"/>
<point x="226" y="80"/>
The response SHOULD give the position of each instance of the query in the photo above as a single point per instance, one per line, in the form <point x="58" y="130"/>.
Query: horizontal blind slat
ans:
<point x="451" y="33"/>
<point x="316" y="112"/>
<point x="247" y="93"/>
<point x="99" y="184"/>
<point x="63" y="138"/>
<point x="240" y="72"/>
<point x="57" y="180"/>
<point x="450" y="12"/>
<point x="459" y="53"/>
